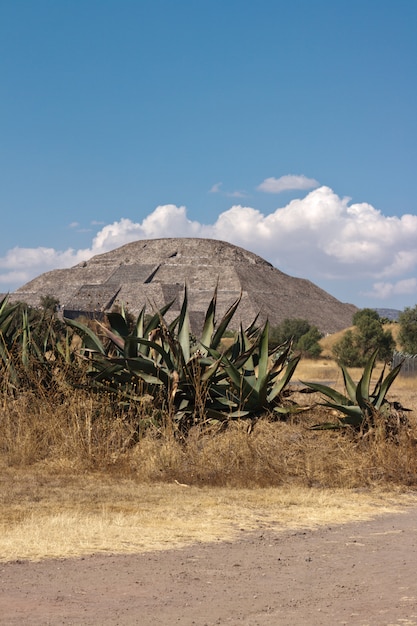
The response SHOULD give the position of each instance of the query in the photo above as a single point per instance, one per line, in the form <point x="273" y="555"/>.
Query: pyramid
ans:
<point x="153" y="272"/>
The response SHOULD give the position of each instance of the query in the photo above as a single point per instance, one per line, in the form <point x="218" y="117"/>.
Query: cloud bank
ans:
<point x="321" y="237"/>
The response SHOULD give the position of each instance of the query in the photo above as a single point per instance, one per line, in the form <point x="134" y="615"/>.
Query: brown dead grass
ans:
<point x="44" y="515"/>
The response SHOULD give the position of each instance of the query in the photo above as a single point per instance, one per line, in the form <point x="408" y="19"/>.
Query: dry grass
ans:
<point x="77" y="476"/>
<point x="46" y="515"/>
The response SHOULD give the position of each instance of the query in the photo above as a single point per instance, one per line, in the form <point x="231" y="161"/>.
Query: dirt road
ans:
<point x="358" y="574"/>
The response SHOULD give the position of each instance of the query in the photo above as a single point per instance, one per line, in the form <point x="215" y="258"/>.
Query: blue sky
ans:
<point x="289" y="128"/>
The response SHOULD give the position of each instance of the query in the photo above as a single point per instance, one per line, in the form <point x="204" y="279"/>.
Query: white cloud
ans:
<point x="236" y="194"/>
<point x="321" y="237"/>
<point x="19" y="265"/>
<point x="382" y="290"/>
<point x="287" y="183"/>
<point x="229" y="194"/>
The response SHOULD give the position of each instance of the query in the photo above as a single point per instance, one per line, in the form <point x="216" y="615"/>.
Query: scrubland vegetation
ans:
<point x="129" y="434"/>
<point x="150" y="401"/>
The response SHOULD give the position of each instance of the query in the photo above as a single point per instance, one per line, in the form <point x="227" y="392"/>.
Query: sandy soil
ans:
<point x="358" y="574"/>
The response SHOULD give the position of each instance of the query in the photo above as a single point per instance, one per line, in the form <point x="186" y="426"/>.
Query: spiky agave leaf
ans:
<point x="279" y="385"/>
<point x="90" y="340"/>
<point x="329" y="392"/>
<point x="224" y="323"/>
<point x="385" y="386"/>
<point x="359" y="406"/>
<point x="184" y="328"/>
<point x="209" y="323"/>
<point x="363" y="387"/>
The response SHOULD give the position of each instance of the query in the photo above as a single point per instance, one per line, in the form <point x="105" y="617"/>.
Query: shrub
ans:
<point x="357" y="345"/>
<point x="408" y="330"/>
<point x="304" y="337"/>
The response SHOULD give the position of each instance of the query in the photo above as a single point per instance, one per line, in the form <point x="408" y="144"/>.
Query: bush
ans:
<point x="408" y="330"/>
<point x="304" y="336"/>
<point x="356" y="346"/>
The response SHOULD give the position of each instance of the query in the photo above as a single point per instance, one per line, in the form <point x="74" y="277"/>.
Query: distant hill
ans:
<point x="153" y="272"/>
<point x="390" y="314"/>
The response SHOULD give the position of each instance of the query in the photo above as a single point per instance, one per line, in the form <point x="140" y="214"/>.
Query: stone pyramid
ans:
<point x="153" y="272"/>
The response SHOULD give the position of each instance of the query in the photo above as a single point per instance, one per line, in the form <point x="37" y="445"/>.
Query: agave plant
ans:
<point x="359" y="406"/>
<point x="157" y="358"/>
<point x="193" y="379"/>
<point x="257" y="378"/>
<point x="29" y="341"/>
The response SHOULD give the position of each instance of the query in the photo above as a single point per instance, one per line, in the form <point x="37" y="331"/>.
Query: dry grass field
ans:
<point x="44" y="515"/>
<point x="73" y="481"/>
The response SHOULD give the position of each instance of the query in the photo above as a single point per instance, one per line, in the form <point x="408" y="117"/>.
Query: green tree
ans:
<point x="365" y="316"/>
<point x="408" y="329"/>
<point x="305" y="336"/>
<point x="356" y="346"/>
<point x="347" y="351"/>
<point x="308" y="344"/>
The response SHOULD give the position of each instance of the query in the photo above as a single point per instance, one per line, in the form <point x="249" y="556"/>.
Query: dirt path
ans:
<point x="357" y="574"/>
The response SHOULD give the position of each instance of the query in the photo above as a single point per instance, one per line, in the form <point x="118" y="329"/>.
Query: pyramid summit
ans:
<point x="153" y="272"/>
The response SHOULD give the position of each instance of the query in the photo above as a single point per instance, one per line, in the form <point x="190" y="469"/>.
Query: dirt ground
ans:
<point x="361" y="573"/>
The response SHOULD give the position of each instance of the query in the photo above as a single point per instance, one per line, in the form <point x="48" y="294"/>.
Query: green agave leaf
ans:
<point x="155" y="320"/>
<point x="239" y="414"/>
<point x="161" y="350"/>
<point x="280" y="384"/>
<point x="281" y="354"/>
<point x="91" y="341"/>
<point x="353" y="414"/>
<point x="252" y="329"/>
<point x="349" y="384"/>
<point x="363" y="388"/>
<point x="6" y="310"/>
<point x="243" y="354"/>
<point x="238" y="346"/>
<point x="118" y="341"/>
<point x="130" y="348"/>
<point x="209" y="322"/>
<point x="385" y="386"/>
<point x="140" y="323"/>
<point x="379" y="382"/>
<point x="223" y="402"/>
<point x="149" y="379"/>
<point x="242" y="386"/>
<point x="328" y="392"/>
<point x="64" y="348"/>
<point x="224" y="323"/>
<point x="3" y="302"/>
<point x="5" y="357"/>
<point x="118" y="324"/>
<point x="25" y="339"/>
<point x="263" y="364"/>
<point x="142" y="365"/>
<point x="184" y="328"/>
<point x="216" y="416"/>
<point x="210" y="372"/>
<point x="6" y="320"/>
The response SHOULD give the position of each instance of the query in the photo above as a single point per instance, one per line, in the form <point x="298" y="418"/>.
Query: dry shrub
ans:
<point x="277" y="453"/>
<point x="63" y="427"/>
<point x="76" y="428"/>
